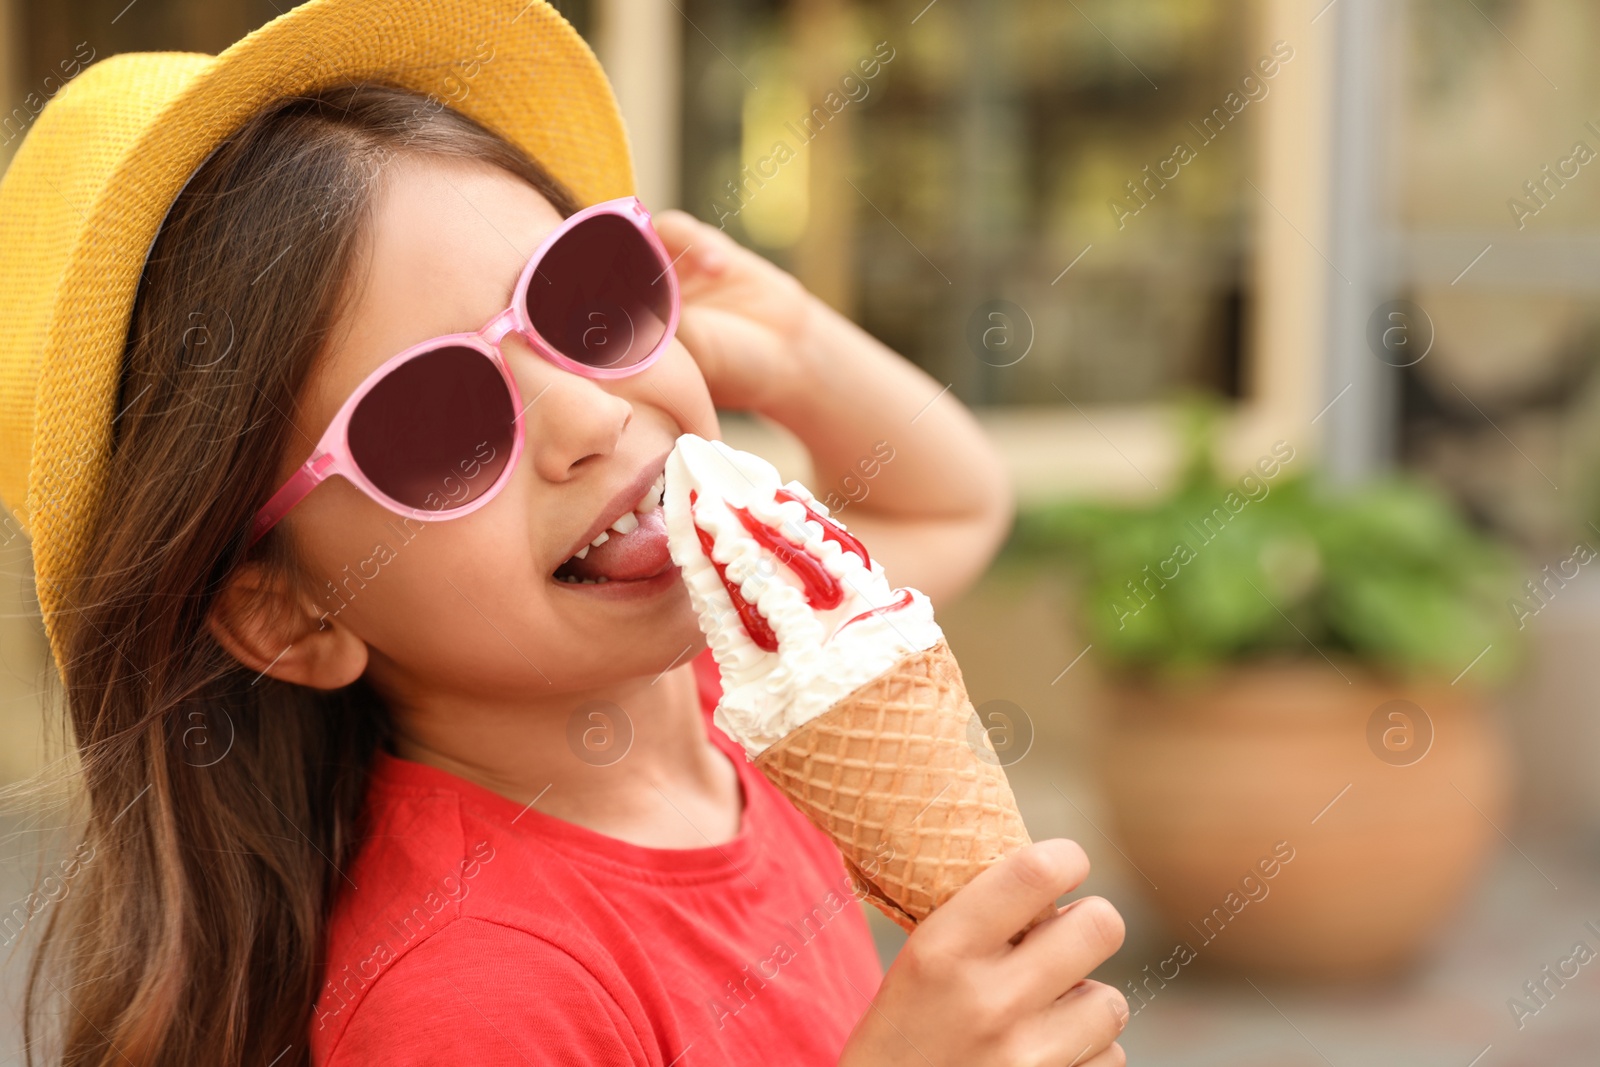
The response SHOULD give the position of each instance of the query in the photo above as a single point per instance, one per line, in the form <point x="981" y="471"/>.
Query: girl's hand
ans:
<point x="960" y="993"/>
<point x="744" y="320"/>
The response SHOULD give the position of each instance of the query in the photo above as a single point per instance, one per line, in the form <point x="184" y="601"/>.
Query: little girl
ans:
<point x="393" y="714"/>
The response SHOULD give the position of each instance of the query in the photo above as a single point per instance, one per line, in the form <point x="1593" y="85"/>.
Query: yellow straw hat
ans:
<point x="84" y="196"/>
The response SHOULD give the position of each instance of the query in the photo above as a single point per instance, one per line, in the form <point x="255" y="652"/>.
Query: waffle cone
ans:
<point x="903" y="778"/>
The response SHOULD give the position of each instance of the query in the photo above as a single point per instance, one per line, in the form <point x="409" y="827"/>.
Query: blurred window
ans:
<point x="1495" y="200"/>
<point x="976" y="181"/>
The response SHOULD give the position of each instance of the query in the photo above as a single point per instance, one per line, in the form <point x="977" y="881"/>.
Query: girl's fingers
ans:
<point x="1079" y="1029"/>
<point x="694" y="246"/>
<point x="693" y="337"/>
<point x="1057" y="953"/>
<point x="677" y="229"/>
<point x="984" y="915"/>
<point x="1111" y="1057"/>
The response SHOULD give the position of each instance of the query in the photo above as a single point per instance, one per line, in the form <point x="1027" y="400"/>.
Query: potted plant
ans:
<point x="1298" y="755"/>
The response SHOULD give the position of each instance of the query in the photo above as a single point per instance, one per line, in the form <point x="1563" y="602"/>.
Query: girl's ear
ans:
<point x="265" y="624"/>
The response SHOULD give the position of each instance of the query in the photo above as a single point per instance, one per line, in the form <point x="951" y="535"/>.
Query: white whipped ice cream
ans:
<point x="796" y="614"/>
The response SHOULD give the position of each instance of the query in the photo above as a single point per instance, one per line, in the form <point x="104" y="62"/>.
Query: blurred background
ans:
<point x="1286" y="315"/>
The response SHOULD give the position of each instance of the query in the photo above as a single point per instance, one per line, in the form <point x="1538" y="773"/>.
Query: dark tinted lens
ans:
<point x="600" y="296"/>
<point x="437" y="432"/>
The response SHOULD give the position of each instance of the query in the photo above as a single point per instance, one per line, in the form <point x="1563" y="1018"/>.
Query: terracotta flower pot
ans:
<point x="1291" y="830"/>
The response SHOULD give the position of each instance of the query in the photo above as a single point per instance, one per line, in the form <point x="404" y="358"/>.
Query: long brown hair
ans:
<point x="220" y="806"/>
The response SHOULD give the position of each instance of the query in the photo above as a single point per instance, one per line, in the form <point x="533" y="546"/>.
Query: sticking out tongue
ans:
<point x="622" y="557"/>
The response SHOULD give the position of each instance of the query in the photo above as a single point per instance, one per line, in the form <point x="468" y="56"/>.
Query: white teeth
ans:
<point x="652" y="496"/>
<point x="570" y="580"/>
<point x="624" y="525"/>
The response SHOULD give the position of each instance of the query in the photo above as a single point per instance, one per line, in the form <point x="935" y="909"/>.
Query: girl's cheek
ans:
<point x="676" y="387"/>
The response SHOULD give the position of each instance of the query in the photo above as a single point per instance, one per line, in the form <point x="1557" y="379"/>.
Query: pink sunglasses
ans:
<point x="436" y="431"/>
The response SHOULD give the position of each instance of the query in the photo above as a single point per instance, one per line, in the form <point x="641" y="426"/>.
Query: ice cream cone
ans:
<point x="890" y="774"/>
<point x="838" y="685"/>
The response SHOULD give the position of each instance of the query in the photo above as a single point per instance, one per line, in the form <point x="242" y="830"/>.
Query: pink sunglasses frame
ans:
<point x="332" y="455"/>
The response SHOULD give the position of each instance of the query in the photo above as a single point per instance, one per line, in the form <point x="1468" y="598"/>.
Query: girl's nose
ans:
<point x="568" y="418"/>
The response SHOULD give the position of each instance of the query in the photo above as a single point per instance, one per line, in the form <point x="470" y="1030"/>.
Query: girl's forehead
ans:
<point x="438" y="204"/>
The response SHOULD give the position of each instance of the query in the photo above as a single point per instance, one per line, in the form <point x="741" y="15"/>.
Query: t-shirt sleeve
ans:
<point x="490" y="995"/>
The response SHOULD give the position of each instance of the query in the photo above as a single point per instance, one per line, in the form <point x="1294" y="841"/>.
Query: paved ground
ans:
<point x="20" y="844"/>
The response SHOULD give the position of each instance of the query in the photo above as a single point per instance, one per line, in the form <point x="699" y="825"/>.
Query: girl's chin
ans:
<point x="652" y="615"/>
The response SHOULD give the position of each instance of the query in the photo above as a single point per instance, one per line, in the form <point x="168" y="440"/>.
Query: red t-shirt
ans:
<point x="472" y="931"/>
